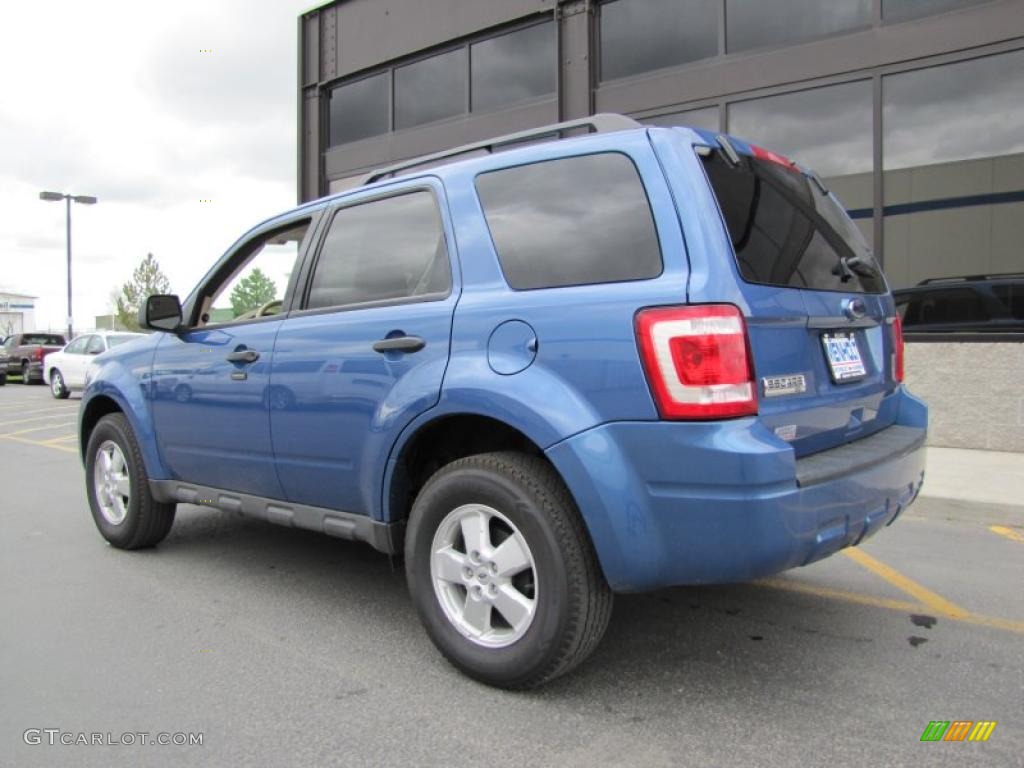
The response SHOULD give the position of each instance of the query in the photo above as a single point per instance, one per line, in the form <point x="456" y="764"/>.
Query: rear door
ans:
<point x="366" y="350"/>
<point x="818" y="310"/>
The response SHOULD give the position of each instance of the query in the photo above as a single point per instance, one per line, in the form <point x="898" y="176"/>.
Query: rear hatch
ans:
<point x="818" y="312"/>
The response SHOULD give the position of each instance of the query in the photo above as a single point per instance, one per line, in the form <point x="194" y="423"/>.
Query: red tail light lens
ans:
<point x="38" y="354"/>
<point x="697" y="361"/>
<point x="897" y="348"/>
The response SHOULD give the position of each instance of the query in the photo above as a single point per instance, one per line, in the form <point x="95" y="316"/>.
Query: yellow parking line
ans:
<point x="30" y="418"/>
<point x="1009" y="533"/>
<point x="19" y="410"/>
<point x="839" y="594"/>
<point x="903" y="583"/>
<point x="61" y="439"/>
<point x="903" y="606"/>
<point x="27" y="441"/>
<point x="36" y="429"/>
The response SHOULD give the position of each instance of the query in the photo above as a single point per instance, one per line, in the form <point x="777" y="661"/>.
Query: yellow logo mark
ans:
<point x="982" y="730"/>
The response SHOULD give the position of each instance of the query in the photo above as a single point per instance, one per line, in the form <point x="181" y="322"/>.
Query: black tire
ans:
<point x="573" y="603"/>
<point x="146" y="521"/>
<point x="25" y="378"/>
<point x="3" y="379"/>
<point x="57" y="387"/>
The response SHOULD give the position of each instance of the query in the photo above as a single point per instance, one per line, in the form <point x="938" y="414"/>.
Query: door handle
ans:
<point x="400" y="344"/>
<point x="243" y="356"/>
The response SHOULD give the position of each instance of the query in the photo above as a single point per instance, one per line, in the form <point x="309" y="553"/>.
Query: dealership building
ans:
<point x="913" y="110"/>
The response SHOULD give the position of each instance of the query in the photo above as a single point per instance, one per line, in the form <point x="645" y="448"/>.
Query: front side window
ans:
<point x="786" y="231"/>
<point x="254" y="283"/>
<point x="571" y="221"/>
<point x="77" y="347"/>
<point x="95" y="346"/>
<point x="382" y="250"/>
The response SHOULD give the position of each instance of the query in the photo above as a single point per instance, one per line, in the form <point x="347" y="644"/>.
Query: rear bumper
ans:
<point x="671" y="503"/>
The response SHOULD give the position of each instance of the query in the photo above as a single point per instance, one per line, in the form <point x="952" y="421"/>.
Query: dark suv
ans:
<point x="608" y="363"/>
<point x="976" y="303"/>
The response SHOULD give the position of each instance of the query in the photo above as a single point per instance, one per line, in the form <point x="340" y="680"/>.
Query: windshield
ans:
<point x="786" y="231"/>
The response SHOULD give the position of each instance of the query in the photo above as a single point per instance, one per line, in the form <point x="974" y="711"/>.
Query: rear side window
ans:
<point x="45" y="339"/>
<point x="571" y="221"/>
<point x="951" y="306"/>
<point x="787" y="232"/>
<point x="383" y="250"/>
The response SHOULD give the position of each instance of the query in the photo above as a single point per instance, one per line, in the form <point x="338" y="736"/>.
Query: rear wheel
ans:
<point x="502" y="571"/>
<point x="123" y="508"/>
<point x="57" y="386"/>
<point x="24" y="374"/>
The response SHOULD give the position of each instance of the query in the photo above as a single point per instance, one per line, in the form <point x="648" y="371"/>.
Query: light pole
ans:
<point x="84" y="200"/>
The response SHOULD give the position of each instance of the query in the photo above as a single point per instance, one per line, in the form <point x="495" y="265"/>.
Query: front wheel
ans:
<point x="502" y="571"/>
<point x="57" y="387"/>
<point x="123" y="508"/>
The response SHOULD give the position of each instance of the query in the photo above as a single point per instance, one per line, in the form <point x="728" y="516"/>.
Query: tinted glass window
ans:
<point x="945" y="307"/>
<point x="786" y="232"/>
<point x="1012" y="297"/>
<point x="572" y="221"/>
<point x="359" y="109"/>
<point x="762" y="23"/>
<point x="95" y="346"/>
<point x="641" y="35"/>
<point x="385" y="249"/>
<point x="945" y="170"/>
<point x="900" y="10"/>
<point x="828" y="129"/>
<point x="706" y="118"/>
<point x="514" y="67"/>
<point x="430" y="90"/>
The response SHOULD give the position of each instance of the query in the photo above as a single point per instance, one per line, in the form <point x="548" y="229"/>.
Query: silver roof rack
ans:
<point x="600" y="123"/>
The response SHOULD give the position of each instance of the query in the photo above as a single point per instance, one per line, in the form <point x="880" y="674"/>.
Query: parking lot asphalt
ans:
<point x="282" y="647"/>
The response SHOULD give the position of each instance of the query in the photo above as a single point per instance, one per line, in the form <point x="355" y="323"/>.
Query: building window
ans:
<point x="431" y="89"/>
<point x="954" y="183"/>
<point x="360" y="109"/>
<point x="642" y="35"/>
<point x="383" y="250"/>
<point x="705" y="117"/>
<point x="514" y="67"/>
<point x="764" y="23"/>
<point x="572" y="221"/>
<point x="827" y="129"/>
<point x="902" y="10"/>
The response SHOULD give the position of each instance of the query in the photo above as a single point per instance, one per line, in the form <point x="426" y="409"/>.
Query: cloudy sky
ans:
<point x="115" y="99"/>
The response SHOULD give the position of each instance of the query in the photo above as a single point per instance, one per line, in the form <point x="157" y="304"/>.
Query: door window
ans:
<point x="254" y="282"/>
<point x="77" y="347"/>
<point x="95" y="345"/>
<point x="383" y="250"/>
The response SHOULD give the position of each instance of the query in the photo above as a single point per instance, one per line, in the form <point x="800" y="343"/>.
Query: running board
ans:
<point x="385" y="537"/>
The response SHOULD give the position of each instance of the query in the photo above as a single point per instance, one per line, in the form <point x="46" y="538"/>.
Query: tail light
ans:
<point x="697" y="361"/>
<point x="38" y="354"/>
<point x="897" y="348"/>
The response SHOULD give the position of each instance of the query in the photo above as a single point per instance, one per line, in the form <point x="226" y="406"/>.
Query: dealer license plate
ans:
<point x="843" y="355"/>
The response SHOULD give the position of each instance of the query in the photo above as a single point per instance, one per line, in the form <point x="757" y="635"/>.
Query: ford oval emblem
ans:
<point x="854" y="309"/>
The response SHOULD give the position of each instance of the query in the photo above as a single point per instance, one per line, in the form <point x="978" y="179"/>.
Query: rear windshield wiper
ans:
<point x="851" y="266"/>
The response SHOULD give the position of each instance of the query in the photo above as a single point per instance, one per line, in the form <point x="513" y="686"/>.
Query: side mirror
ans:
<point x="161" y="313"/>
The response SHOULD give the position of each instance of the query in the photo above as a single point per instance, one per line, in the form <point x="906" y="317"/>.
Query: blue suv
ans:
<point x="615" y="362"/>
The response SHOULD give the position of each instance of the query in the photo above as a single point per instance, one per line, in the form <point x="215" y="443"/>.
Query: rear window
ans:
<point x="113" y="341"/>
<point x="571" y="221"/>
<point x="787" y="232"/>
<point x="44" y="339"/>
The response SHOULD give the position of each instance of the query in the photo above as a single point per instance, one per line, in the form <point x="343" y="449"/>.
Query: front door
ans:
<point x="365" y="351"/>
<point x="210" y="381"/>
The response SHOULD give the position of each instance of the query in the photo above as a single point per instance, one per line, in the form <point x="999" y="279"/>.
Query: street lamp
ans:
<point x="56" y="197"/>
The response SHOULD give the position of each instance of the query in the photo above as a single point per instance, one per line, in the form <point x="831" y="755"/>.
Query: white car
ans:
<point x="64" y="371"/>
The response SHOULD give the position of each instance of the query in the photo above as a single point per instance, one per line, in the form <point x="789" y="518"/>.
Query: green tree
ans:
<point x="147" y="280"/>
<point x="252" y="291"/>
